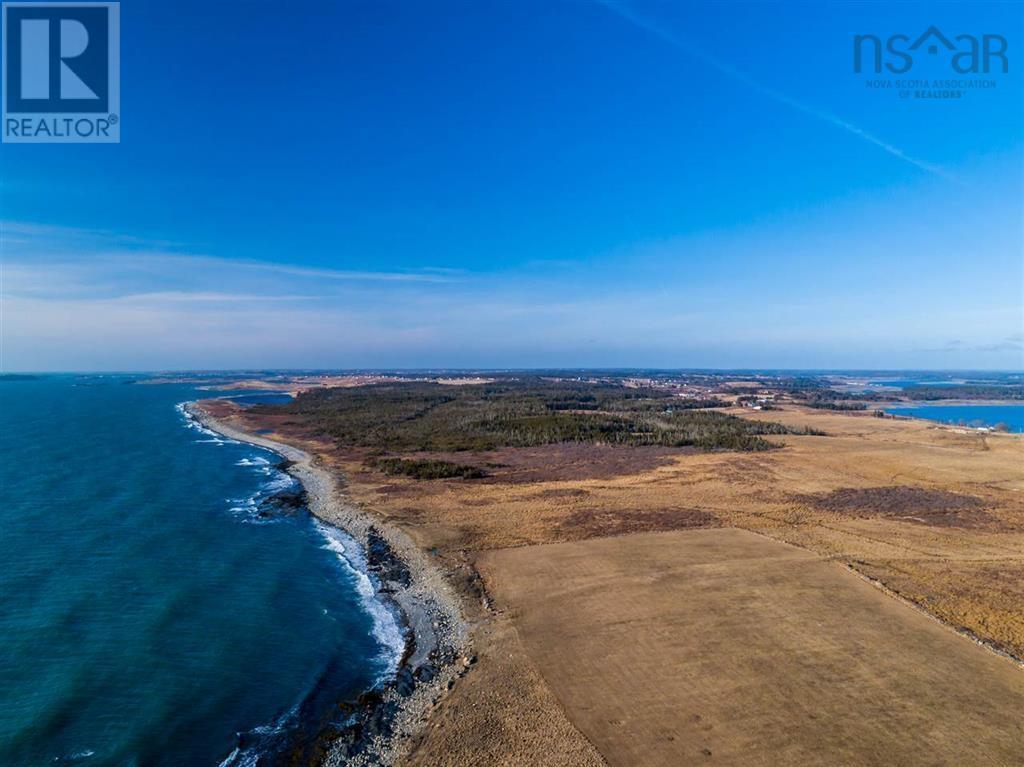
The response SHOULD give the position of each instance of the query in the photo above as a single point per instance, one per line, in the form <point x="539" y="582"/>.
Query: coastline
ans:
<point x="379" y="727"/>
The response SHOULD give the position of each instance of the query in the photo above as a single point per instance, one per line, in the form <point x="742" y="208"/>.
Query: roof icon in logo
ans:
<point x="932" y="31"/>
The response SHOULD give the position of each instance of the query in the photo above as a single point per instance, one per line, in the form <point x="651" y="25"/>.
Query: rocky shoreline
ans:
<point x="378" y="727"/>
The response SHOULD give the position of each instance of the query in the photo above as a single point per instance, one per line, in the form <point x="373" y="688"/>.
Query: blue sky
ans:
<point x="399" y="184"/>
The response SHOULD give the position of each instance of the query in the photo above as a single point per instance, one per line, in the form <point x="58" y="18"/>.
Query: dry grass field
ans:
<point x="725" y="647"/>
<point x="933" y="515"/>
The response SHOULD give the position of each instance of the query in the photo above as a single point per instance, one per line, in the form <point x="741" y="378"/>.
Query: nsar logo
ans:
<point x="61" y="73"/>
<point x="967" y="54"/>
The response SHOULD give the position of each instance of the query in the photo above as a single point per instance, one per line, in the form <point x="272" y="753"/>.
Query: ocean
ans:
<point x="155" y="607"/>
<point x="1012" y="416"/>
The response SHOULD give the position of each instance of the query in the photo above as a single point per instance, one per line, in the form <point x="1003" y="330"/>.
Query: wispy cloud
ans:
<point x="26" y="242"/>
<point x="203" y="297"/>
<point x="424" y="275"/>
<point x="27" y="232"/>
<point x="624" y="10"/>
<point x="88" y="303"/>
<point x="1012" y="343"/>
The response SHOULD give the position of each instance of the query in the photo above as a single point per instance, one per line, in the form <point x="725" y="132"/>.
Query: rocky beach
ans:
<point x="378" y="727"/>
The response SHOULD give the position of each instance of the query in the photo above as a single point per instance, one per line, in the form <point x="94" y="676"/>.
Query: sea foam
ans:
<point x="386" y="627"/>
<point x="193" y="423"/>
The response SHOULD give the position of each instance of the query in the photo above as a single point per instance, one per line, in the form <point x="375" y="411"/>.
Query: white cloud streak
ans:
<point x="53" y="242"/>
<point x="626" y="12"/>
<point x="426" y="275"/>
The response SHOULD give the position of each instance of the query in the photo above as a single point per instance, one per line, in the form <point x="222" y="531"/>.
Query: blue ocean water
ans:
<point x="968" y="415"/>
<point x="151" y="605"/>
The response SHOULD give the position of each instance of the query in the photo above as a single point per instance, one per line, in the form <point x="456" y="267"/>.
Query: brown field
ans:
<point x="933" y="515"/>
<point x="724" y="646"/>
<point x="295" y="384"/>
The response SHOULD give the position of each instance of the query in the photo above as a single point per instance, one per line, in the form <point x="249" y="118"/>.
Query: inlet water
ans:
<point x="1010" y="416"/>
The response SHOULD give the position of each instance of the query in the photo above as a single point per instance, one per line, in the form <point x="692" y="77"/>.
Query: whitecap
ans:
<point x="253" y="461"/>
<point x="265" y="742"/>
<point x="386" y="627"/>
<point x="75" y="756"/>
<point x="239" y="758"/>
<point x="193" y="423"/>
<point x="248" y="507"/>
<point x="281" y="482"/>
